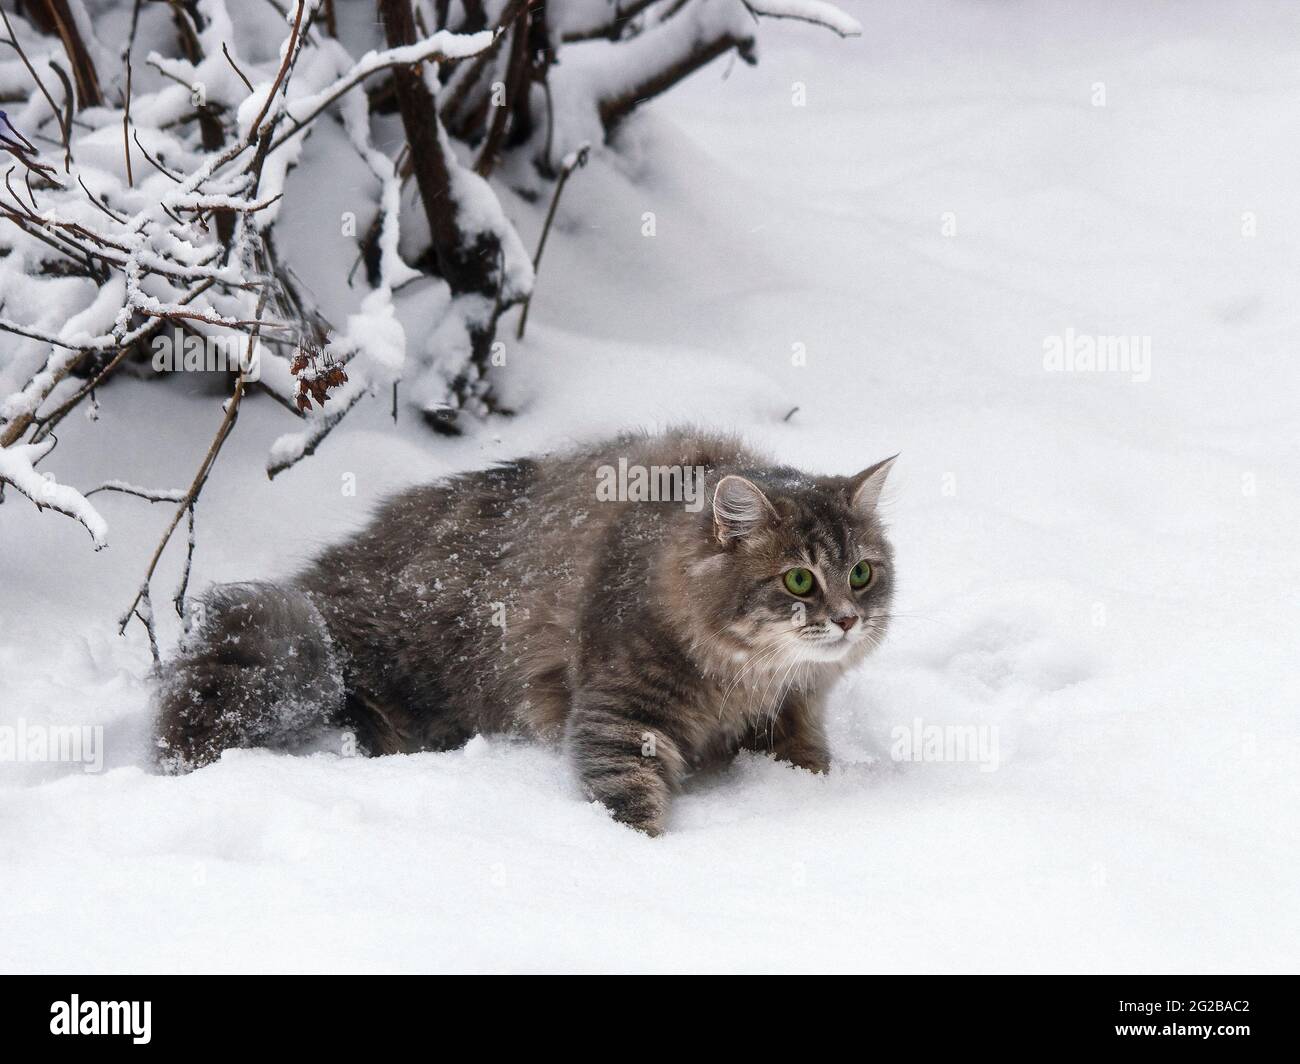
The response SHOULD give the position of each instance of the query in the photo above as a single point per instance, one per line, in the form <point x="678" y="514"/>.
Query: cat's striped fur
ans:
<point x="650" y="639"/>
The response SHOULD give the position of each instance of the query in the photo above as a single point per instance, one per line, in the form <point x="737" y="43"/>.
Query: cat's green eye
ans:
<point x="860" y="576"/>
<point x="798" y="581"/>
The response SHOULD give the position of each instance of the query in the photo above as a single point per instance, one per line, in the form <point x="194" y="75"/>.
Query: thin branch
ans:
<point x="226" y="52"/>
<point x="213" y="319"/>
<point x="69" y="106"/>
<point x="135" y="22"/>
<point x="178" y="599"/>
<point x="148" y="494"/>
<point x="571" y="162"/>
<point x="100" y="203"/>
<point x="466" y="77"/>
<point x="200" y="478"/>
<point x="516" y="82"/>
<point x="610" y="28"/>
<point x="817" y="12"/>
<point x="126" y="125"/>
<point x="13" y="42"/>
<point x="83" y="67"/>
<point x="354" y="78"/>
<point x="144" y="611"/>
<point x="36" y="334"/>
<point x="38" y="233"/>
<point x="21" y="206"/>
<point x="157" y="165"/>
<point x="16" y="428"/>
<point x="255" y="128"/>
<point x="321" y="427"/>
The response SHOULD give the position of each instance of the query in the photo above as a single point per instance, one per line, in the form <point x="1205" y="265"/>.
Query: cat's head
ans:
<point x="798" y="568"/>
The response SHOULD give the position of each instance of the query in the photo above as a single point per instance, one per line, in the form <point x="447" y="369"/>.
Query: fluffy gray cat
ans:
<point x="656" y="602"/>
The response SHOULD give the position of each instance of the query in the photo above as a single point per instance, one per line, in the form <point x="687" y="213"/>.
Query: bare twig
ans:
<point x="144" y="611"/>
<point x="55" y="16"/>
<point x="135" y="22"/>
<point x="572" y="162"/>
<point x="212" y="319"/>
<point x="467" y="76"/>
<point x="126" y="125"/>
<point x="100" y="203"/>
<point x="516" y="82"/>
<point x="289" y="53"/>
<point x="620" y="15"/>
<point x="36" y="334"/>
<point x="226" y="52"/>
<point x="69" y="105"/>
<point x="156" y="164"/>
<point x="178" y="599"/>
<point x="13" y="42"/>
<point x="148" y="494"/>
<point x="200" y="478"/>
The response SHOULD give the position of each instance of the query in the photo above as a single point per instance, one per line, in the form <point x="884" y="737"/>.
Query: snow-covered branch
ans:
<point x="18" y="468"/>
<point x="818" y="12"/>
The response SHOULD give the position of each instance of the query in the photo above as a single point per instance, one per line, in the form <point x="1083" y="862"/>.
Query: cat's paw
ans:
<point x="811" y="758"/>
<point x="641" y="812"/>
<point x="818" y="763"/>
<point x="653" y="827"/>
<point x="637" y="799"/>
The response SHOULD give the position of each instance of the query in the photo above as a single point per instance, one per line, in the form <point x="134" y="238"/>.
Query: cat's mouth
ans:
<point x="823" y="643"/>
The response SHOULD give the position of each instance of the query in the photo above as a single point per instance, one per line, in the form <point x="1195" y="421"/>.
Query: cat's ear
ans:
<point x="864" y="489"/>
<point x="739" y="507"/>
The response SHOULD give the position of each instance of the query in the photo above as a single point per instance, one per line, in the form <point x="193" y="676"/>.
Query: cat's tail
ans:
<point x="257" y="668"/>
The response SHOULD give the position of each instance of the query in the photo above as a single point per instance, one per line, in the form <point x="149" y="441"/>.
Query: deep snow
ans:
<point x="1102" y="568"/>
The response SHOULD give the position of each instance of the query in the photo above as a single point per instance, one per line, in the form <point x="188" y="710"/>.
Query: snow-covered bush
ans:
<point x="150" y="152"/>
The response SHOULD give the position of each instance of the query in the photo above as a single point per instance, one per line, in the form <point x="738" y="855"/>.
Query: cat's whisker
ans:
<point x="710" y="640"/>
<point x="782" y="688"/>
<point x="759" y="656"/>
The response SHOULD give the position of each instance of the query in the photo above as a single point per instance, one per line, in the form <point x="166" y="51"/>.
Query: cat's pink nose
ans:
<point x="846" y="622"/>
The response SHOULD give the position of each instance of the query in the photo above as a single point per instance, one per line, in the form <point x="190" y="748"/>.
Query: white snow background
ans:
<point x="1103" y="569"/>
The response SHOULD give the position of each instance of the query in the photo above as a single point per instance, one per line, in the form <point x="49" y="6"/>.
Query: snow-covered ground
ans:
<point x="1099" y="571"/>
